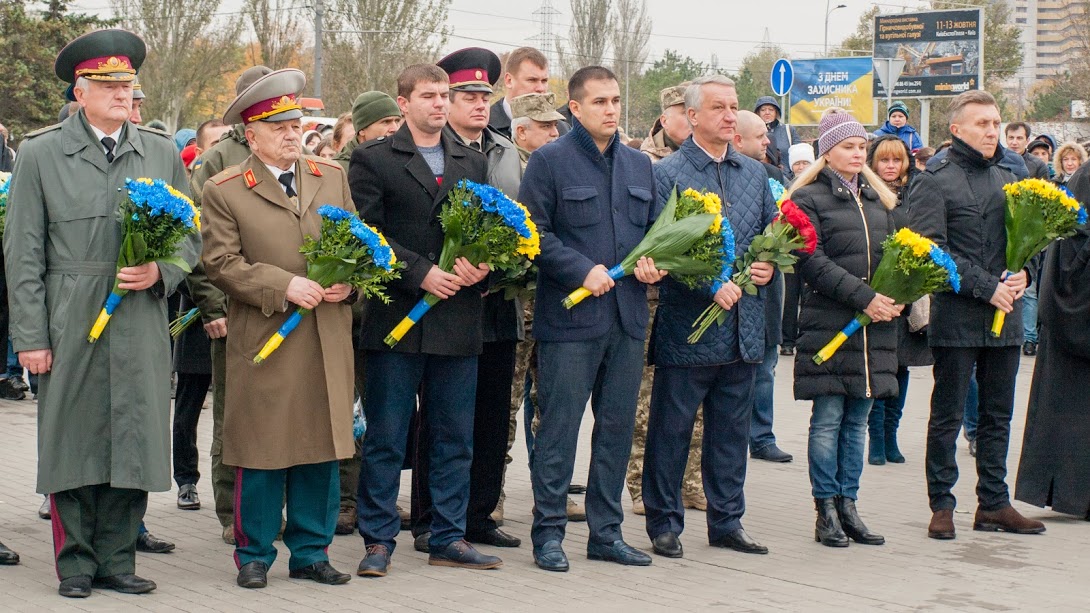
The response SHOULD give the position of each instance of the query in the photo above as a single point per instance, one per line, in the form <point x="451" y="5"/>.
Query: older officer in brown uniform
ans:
<point x="288" y="420"/>
<point x="103" y="408"/>
<point x="231" y="150"/>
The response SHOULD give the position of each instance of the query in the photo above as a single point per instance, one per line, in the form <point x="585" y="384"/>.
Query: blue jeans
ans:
<point x="606" y="371"/>
<point x="838" y="430"/>
<point x="760" y="429"/>
<point x="726" y="392"/>
<point x="448" y="387"/>
<point x="1029" y="312"/>
<point x="972" y="408"/>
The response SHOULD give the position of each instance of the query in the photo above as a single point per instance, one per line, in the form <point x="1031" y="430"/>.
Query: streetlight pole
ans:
<point x="828" y="11"/>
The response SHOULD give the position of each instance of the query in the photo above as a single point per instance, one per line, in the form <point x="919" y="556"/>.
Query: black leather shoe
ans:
<point x="787" y="350"/>
<point x="75" y="587"/>
<point x="618" y="551"/>
<point x="1029" y="348"/>
<point x="321" y="572"/>
<point x="148" y="543"/>
<point x="577" y="489"/>
<point x="125" y="584"/>
<point x="494" y="537"/>
<point x="738" y="540"/>
<point x="551" y="556"/>
<point x="853" y="525"/>
<point x="376" y="563"/>
<point x="188" y="500"/>
<point x="828" y="530"/>
<point x="19" y="385"/>
<point x="8" y="392"/>
<point x="7" y="556"/>
<point x="420" y="543"/>
<point x="771" y="453"/>
<point x="253" y="575"/>
<point x="44" y="511"/>
<point x="461" y="554"/>
<point x="667" y="544"/>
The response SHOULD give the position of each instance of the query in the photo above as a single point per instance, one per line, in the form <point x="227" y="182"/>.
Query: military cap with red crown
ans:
<point x="272" y="97"/>
<point x="103" y="55"/>
<point x="472" y="69"/>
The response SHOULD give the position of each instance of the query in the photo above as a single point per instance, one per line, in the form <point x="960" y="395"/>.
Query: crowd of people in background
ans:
<point x="675" y="422"/>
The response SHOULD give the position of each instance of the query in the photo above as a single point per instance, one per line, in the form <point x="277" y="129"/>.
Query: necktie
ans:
<point x="109" y="143"/>
<point x="475" y="145"/>
<point x="285" y="180"/>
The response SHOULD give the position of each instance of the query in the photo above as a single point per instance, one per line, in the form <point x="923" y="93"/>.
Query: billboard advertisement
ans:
<point x="943" y="51"/>
<point x="842" y="82"/>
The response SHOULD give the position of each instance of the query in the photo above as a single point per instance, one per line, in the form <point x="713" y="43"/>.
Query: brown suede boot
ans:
<point x="942" y="525"/>
<point x="1007" y="519"/>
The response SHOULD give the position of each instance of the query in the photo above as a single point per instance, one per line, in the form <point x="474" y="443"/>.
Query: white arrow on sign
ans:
<point x="783" y="77"/>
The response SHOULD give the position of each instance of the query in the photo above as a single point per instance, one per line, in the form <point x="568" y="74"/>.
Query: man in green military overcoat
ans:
<point x="104" y="407"/>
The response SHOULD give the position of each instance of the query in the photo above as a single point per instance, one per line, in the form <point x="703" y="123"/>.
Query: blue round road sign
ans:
<point x="782" y="77"/>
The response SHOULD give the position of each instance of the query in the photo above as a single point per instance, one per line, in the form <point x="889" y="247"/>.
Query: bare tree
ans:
<point x="278" y="35"/>
<point x="589" y="34"/>
<point x="631" y="33"/>
<point x="188" y="56"/>
<point x="371" y="41"/>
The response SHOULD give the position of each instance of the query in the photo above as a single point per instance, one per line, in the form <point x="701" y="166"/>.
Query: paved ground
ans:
<point x="976" y="572"/>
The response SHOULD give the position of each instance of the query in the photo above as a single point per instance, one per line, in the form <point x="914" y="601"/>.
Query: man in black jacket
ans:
<point x="959" y="203"/>
<point x="472" y="72"/>
<point x="526" y="72"/>
<point x="1018" y="134"/>
<point x="399" y="184"/>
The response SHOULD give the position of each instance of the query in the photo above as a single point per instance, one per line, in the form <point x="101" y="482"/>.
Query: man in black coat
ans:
<point x="959" y="203"/>
<point x="526" y="72"/>
<point x="1018" y="134"/>
<point x="399" y="185"/>
<point x="472" y="72"/>
<point x="751" y="139"/>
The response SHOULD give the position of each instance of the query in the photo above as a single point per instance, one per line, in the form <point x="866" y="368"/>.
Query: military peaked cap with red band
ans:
<point x="102" y="55"/>
<point x="273" y="97"/>
<point x="471" y="70"/>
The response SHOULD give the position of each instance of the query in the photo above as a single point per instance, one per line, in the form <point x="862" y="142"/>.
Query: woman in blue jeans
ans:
<point x="850" y="209"/>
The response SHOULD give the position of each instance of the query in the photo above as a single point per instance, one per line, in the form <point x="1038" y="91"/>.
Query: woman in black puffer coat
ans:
<point x="850" y="209"/>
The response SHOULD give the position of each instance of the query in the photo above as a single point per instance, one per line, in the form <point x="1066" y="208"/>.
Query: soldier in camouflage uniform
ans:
<point x="533" y="123"/>
<point x="658" y="145"/>
<point x="671" y="128"/>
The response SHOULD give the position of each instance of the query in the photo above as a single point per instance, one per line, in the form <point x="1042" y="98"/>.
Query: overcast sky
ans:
<point x="730" y="29"/>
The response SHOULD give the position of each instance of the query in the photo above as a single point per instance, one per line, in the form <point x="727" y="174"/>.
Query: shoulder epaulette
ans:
<point x="154" y="131"/>
<point x="374" y="143"/>
<point x="226" y="175"/>
<point x="324" y="162"/>
<point x="41" y="131"/>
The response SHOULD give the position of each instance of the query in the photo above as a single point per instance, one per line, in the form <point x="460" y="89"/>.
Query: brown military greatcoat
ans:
<point x="296" y="407"/>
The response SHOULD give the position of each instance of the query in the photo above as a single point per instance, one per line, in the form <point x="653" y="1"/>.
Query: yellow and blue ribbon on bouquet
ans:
<point x="282" y="333"/>
<point x="583" y="293"/>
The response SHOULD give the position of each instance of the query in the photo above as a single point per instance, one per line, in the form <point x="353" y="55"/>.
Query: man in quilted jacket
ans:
<point x="720" y="369"/>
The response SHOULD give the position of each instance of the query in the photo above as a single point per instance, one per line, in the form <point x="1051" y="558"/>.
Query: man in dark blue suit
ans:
<point x="592" y="199"/>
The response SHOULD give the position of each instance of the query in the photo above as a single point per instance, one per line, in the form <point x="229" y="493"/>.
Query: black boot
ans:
<point x="893" y="420"/>
<point x="876" y="430"/>
<point x="828" y="531"/>
<point x="853" y="525"/>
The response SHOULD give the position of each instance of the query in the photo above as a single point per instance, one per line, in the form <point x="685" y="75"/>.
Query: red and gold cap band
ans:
<point x="271" y="107"/>
<point x="469" y="76"/>
<point x="107" y="68"/>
